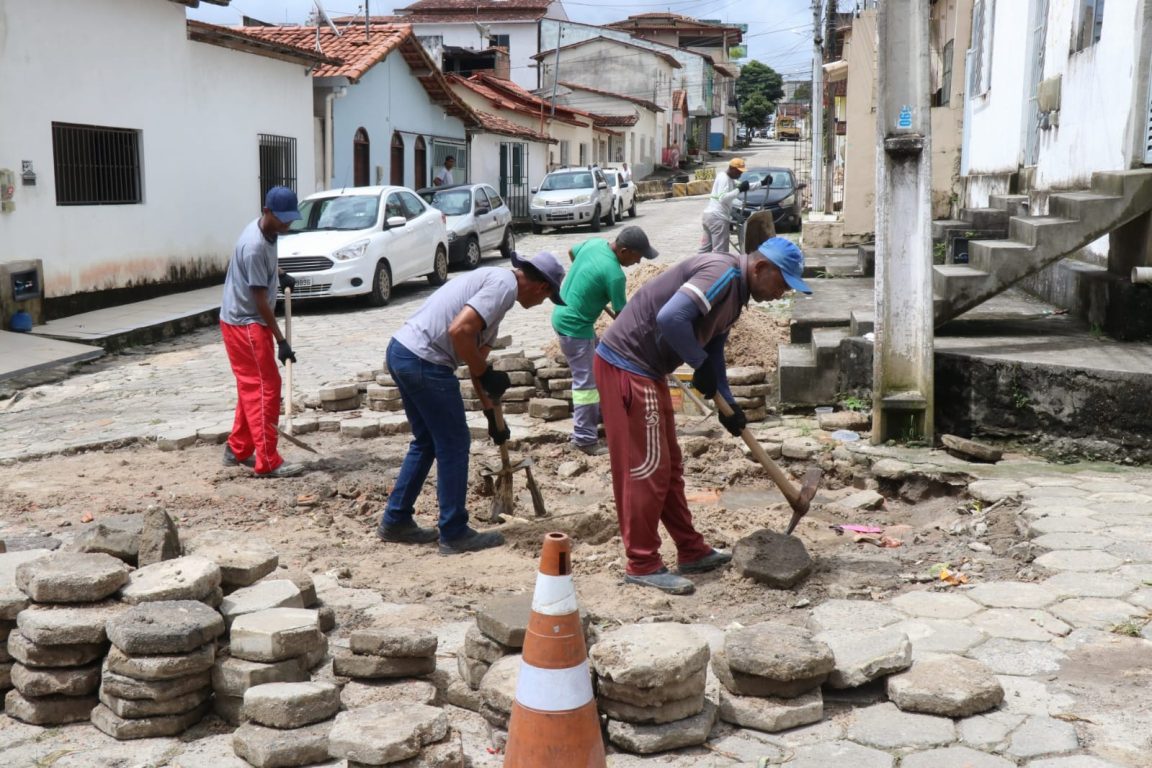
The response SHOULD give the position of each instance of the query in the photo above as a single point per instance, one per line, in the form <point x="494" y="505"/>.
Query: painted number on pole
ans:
<point x="905" y="119"/>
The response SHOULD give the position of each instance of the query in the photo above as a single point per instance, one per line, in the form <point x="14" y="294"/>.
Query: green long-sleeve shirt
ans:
<point x="596" y="279"/>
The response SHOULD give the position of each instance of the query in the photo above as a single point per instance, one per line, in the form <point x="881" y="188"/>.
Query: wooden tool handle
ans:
<point x="786" y="487"/>
<point x="498" y="413"/>
<point x="288" y="362"/>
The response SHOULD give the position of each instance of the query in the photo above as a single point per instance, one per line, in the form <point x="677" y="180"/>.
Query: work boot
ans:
<point x="709" y="562"/>
<point x="407" y="534"/>
<point x="591" y="449"/>
<point x="663" y="581"/>
<point x="230" y="459"/>
<point x="284" y="470"/>
<point x="473" y="541"/>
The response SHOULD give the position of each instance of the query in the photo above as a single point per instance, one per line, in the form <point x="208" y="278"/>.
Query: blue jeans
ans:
<point x="435" y="410"/>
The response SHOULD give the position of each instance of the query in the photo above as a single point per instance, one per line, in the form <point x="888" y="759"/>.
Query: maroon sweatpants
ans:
<point x="251" y="350"/>
<point x="647" y="468"/>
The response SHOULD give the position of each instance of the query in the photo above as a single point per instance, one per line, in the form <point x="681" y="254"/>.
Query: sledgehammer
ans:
<point x="800" y="499"/>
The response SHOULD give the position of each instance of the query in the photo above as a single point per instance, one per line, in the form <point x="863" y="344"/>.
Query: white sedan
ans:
<point x="362" y="241"/>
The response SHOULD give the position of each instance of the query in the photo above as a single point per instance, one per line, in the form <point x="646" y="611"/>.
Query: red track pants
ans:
<point x="250" y="351"/>
<point x="647" y="468"/>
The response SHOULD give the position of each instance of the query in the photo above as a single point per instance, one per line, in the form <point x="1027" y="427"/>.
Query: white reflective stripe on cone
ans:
<point x="554" y="690"/>
<point x="554" y="596"/>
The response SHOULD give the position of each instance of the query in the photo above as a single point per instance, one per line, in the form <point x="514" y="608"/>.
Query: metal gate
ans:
<point x="514" y="178"/>
<point x="441" y="150"/>
<point x="802" y="168"/>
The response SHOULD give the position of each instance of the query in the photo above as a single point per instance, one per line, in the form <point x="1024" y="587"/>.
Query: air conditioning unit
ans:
<point x="21" y="288"/>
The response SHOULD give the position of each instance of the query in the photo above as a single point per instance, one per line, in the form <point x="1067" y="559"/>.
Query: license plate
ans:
<point x="303" y="282"/>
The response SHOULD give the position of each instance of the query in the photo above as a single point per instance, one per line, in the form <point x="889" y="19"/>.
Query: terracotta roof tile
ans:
<point x="679" y="100"/>
<point x="496" y="124"/>
<point x="617" y="120"/>
<point x="649" y="105"/>
<point x="600" y="39"/>
<point x="240" y="39"/>
<point x="482" y="5"/>
<point x="509" y="91"/>
<point x="454" y="17"/>
<point x="357" y="55"/>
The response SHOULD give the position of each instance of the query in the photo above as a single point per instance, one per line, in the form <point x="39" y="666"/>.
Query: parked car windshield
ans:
<point x="337" y="213"/>
<point x="453" y="202"/>
<point x="611" y="176"/>
<point x="574" y="180"/>
<point x="769" y="178"/>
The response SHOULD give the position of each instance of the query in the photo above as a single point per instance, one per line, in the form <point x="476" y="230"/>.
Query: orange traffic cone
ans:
<point x="554" y="722"/>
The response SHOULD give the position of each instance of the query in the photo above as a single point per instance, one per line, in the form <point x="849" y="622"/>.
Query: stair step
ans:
<point x="1034" y="230"/>
<point x="998" y="256"/>
<point x="1016" y="205"/>
<point x="866" y="259"/>
<point x="861" y="322"/>
<point x="1082" y="206"/>
<point x="952" y="280"/>
<point x="909" y="400"/>
<point x="941" y="227"/>
<point x="796" y="373"/>
<point x="826" y="345"/>
<point x="985" y="218"/>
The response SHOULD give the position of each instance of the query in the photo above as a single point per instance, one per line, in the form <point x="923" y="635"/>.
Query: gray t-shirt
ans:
<point x="490" y="291"/>
<point x="253" y="265"/>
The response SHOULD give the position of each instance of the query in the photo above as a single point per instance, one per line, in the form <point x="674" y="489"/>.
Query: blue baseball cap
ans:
<point x="789" y="259"/>
<point x="283" y="204"/>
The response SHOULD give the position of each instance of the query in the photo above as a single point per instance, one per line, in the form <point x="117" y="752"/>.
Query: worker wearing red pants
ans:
<point x="683" y="315"/>
<point x="248" y="325"/>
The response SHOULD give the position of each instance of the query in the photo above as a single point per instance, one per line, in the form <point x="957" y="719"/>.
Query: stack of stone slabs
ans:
<point x="287" y="724"/>
<point x="157" y="674"/>
<point x="60" y="637"/>
<point x="388" y="653"/>
<point x="770" y="676"/>
<point x="650" y="682"/>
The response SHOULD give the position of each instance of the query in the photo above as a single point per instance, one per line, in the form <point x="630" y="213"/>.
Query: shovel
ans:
<point x="502" y="496"/>
<point x="800" y="499"/>
<point x="286" y="432"/>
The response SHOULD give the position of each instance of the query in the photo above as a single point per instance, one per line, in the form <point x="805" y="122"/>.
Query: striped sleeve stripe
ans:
<point x="718" y="286"/>
<point x="700" y="295"/>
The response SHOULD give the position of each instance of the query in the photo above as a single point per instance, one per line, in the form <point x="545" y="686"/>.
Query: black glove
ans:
<point x="744" y="185"/>
<point x="287" y="281"/>
<point x="495" y="383"/>
<point x="704" y="380"/>
<point x="284" y="352"/>
<point x="736" y="422"/>
<point x="499" y="436"/>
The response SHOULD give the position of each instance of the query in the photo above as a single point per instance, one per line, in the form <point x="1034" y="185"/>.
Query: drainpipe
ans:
<point x="333" y="94"/>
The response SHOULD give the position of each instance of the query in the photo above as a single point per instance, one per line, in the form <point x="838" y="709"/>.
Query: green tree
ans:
<point x="754" y="111"/>
<point x="803" y="92"/>
<point x="758" y="79"/>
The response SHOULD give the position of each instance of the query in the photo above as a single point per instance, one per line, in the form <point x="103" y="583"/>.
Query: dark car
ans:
<point x="779" y="194"/>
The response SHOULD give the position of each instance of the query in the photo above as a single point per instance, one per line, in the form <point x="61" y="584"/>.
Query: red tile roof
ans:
<point x="664" y="20"/>
<point x="679" y="100"/>
<point x="480" y="5"/>
<point x="602" y="120"/>
<point x="496" y="124"/>
<point x="665" y="56"/>
<point x="509" y="91"/>
<point x="455" y="17"/>
<point x="239" y="39"/>
<point x="356" y="55"/>
<point x="499" y="100"/>
<point x="649" y="105"/>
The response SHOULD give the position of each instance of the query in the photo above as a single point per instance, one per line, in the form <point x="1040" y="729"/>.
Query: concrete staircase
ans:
<point x="808" y="373"/>
<point x="1074" y="220"/>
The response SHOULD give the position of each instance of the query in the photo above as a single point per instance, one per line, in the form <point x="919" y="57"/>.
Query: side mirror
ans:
<point x="535" y="190"/>
<point x="801" y="186"/>
<point x="602" y="185"/>
<point x="482" y="209"/>
<point x="395" y="221"/>
<point x="623" y="185"/>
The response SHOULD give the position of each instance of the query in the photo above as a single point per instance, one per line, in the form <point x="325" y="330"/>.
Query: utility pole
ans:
<point x="902" y="377"/>
<point x="817" y="117"/>
<point x="830" y="21"/>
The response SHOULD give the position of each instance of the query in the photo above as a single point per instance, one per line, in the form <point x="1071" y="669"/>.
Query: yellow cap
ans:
<point x="736" y="162"/>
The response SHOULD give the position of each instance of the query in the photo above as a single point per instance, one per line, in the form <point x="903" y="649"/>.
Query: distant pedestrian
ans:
<point x="248" y="325"/>
<point x="718" y="215"/>
<point x="456" y="324"/>
<point x="596" y="280"/>
<point x="625" y="174"/>
<point x="444" y="177"/>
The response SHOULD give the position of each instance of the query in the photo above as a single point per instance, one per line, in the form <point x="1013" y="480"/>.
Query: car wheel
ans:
<point x="472" y="253"/>
<point x="508" y="244"/>
<point x="537" y="229"/>
<point x="620" y="211"/>
<point x="612" y="215"/>
<point x="596" y="219"/>
<point x="632" y="210"/>
<point x="381" y="285"/>
<point x="439" y="273"/>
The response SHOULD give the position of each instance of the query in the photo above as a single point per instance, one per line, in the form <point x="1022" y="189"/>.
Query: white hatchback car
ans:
<point x="362" y="241"/>
<point x="623" y="191"/>
<point x="478" y="221"/>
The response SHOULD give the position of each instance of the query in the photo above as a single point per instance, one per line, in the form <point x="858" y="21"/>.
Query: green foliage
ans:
<point x="758" y="79"/>
<point x="853" y="403"/>
<point x="754" y="111"/>
<point x="803" y="92"/>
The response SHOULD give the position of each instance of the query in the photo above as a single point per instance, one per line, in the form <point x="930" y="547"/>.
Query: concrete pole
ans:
<point x="902" y="380"/>
<point x="829" y="148"/>
<point x="816" y="118"/>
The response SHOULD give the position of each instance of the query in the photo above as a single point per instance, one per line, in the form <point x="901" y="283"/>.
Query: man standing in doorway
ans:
<point x="444" y="176"/>
<point x="248" y="325"/>
<point x="684" y="315"/>
<point x="718" y="215"/>
<point x="596" y="280"/>
<point x="457" y="324"/>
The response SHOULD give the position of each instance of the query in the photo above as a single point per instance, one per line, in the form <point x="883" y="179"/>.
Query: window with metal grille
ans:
<point x="95" y="165"/>
<point x="1089" y="20"/>
<point x="564" y="152"/>
<point x="277" y="163"/>
<point x="980" y="54"/>
<point x="944" y="95"/>
<point x="500" y="41"/>
<point x="583" y="153"/>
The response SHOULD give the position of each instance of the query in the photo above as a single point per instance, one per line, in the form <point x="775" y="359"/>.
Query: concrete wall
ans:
<point x="645" y="134"/>
<point x="522" y="43"/>
<point x="485" y="152"/>
<point x="199" y="109"/>
<point x="860" y="150"/>
<point x="608" y="66"/>
<point x="387" y="99"/>
<point x="951" y="20"/>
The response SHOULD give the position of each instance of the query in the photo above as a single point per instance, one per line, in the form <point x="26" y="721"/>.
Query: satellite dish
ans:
<point x="326" y="18"/>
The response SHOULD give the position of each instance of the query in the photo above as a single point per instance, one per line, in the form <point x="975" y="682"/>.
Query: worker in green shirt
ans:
<point x="596" y="280"/>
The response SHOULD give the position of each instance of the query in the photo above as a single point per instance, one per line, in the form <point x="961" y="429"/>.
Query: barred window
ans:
<point x="95" y="165"/>
<point x="277" y="163"/>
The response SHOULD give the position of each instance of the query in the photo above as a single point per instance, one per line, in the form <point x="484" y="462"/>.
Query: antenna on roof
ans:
<point x="367" y="22"/>
<point x="485" y="34"/>
<point x="325" y="17"/>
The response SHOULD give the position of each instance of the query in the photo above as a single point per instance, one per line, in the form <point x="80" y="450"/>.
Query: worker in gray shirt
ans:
<point x="457" y="324"/>
<point x="248" y="325"/>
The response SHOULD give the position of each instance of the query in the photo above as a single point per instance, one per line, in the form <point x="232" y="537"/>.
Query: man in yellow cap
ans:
<point x="718" y="215"/>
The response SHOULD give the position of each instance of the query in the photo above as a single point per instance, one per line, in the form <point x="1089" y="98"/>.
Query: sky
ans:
<point x="779" y="31"/>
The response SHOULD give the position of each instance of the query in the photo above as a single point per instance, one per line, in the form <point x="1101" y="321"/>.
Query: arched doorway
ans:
<point x="360" y="158"/>
<point x="421" y="162"/>
<point x="397" y="171"/>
